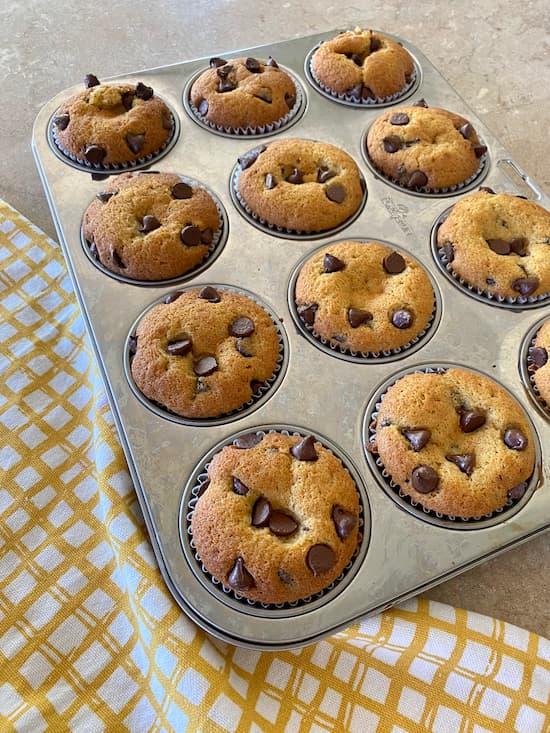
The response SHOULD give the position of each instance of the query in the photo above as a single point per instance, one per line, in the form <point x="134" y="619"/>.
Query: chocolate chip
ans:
<point x="515" y="439"/>
<point x="242" y="327"/>
<point x="239" y="487"/>
<point x="518" y="491"/>
<point x="135" y="142"/>
<point x="255" y="386"/>
<point x="128" y="100"/>
<point x="324" y="174"/>
<point x="332" y="264"/>
<point x="209" y="293"/>
<point x="449" y="251"/>
<point x="464" y="462"/>
<point x="104" y="196"/>
<point x="486" y="189"/>
<point x="166" y="121"/>
<point x="518" y="245"/>
<point x="480" y="150"/>
<point x="307" y="313"/>
<point x="417" y="437"/>
<point x="281" y="524"/>
<point x="190" y="235"/>
<point x="180" y="347"/>
<point x="143" y="92"/>
<point x="203" y="107"/>
<point x="357" y="60"/>
<point x="290" y="100"/>
<point x="118" y="260"/>
<point x="295" y="176"/>
<point x="305" y="449"/>
<point x="246" y="160"/>
<point x="261" y="511"/>
<point x="181" y="190"/>
<point x="425" y="479"/>
<point x="490" y="281"/>
<point x="538" y="357"/>
<point x="284" y="577"/>
<point x="203" y="485"/>
<point x="265" y="95"/>
<point x="402" y="318"/>
<point x="172" y="297"/>
<point x="344" y="521"/>
<point x="243" y="349"/>
<point x="94" y="153"/>
<point x="356" y="317"/>
<point x="340" y="337"/>
<point x="466" y="130"/>
<point x="253" y="65"/>
<point x="207" y="235"/>
<point x="374" y="44"/>
<point x="61" y="121"/>
<point x="320" y="558"/>
<point x="132" y="344"/>
<point x="239" y="578"/>
<point x="392" y="143"/>
<point x="394" y="263"/>
<point x="270" y="181"/>
<point x="500" y="246"/>
<point x="91" y="80"/>
<point x="93" y="251"/>
<point x="417" y="179"/>
<point x="205" y="366"/>
<point x="399" y="118"/>
<point x="471" y="420"/>
<point x="226" y="85"/>
<point x="271" y="62"/>
<point x="249" y="440"/>
<point x="335" y="192"/>
<point x="525" y="285"/>
<point x="420" y="103"/>
<point x="216" y="62"/>
<point x="149" y="224"/>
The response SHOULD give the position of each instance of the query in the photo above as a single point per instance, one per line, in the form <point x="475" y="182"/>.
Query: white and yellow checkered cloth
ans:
<point x="91" y="641"/>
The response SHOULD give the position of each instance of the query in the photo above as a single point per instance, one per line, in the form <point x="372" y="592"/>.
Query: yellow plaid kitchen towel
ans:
<point x="90" y="639"/>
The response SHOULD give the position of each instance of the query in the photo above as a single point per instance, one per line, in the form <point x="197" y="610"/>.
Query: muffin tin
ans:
<point x="330" y="395"/>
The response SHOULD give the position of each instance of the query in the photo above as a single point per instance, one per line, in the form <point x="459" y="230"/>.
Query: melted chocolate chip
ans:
<point x="324" y="174"/>
<point x="209" y="293"/>
<point x="525" y="285"/>
<point x="417" y="179"/>
<point x="480" y="150"/>
<point x="261" y="511"/>
<point x="320" y="558"/>
<point x="307" y="313"/>
<point x="402" y="318"/>
<point x="226" y="85"/>
<point x="394" y="263"/>
<point x="417" y="437"/>
<point x="284" y="577"/>
<point x="332" y="264"/>
<point x="356" y="317"/>
<point x="486" y="189"/>
<point x="265" y="95"/>
<point x="216" y="61"/>
<point x="305" y="449"/>
<point x="490" y="281"/>
<point x="94" y="153"/>
<point x="281" y="524"/>
<point x="239" y="578"/>
<point x="248" y="159"/>
<point x="290" y="100"/>
<point x="104" y="196"/>
<point x="181" y="190"/>
<point x="128" y="100"/>
<point x="424" y="479"/>
<point x="205" y="366"/>
<point x="135" y="142"/>
<point x="465" y="462"/>
<point x="243" y="349"/>
<point x="91" y="80"/>
<point x="392" y="143"/>
<point x="253" y="65"/>
<point x="242" y="327"/>
<point x="466" y="130"/>
<point x="239" y="488"/>
<point x="166" y="121"/>
<point x="344" y="521"/>
<point x="471" y="420"/>
<point x="191" y="235"/>
<point x="172" y="297"/>
<point x="518" y="491"/>
<point x="515" y="439"/>
<point x="202" y="487"/>
<point x="149" y="224"/>
<point x="61" y="121"/>
<point x="420" y="103"/>
<point x="143" y="92"/>
<point x="117" y="259"/>
<point x="249" y="440"/>
<point x="335" y="192"/>
<point x="270" y="181"/>
<point x="500" y="246"/>
<point x="538" y="357"/>
<point x="518" y="245"/>
<point x="295" y="176"/>
<point x="224" y="71"/>
<point x="374" y="44"/>
<point x="180" y="347"/>
<point x="132" y="344"/>
<point x="449" y="251"/>
<point x="399" y="118"/>
<point x="357" y="60"/>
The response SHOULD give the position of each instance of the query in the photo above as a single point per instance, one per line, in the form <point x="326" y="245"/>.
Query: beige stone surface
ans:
<point x="496" y="53"/>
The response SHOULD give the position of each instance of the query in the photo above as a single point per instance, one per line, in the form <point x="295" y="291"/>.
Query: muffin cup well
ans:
<point x="393" y="490"/>
<point x="522" y="302"/>
<point x="214" y="250"/>
<point x="193" y="489"/>
<point x="527" y="371"/>
<point x="263" y="391"/>
<point x="279" y="125"/>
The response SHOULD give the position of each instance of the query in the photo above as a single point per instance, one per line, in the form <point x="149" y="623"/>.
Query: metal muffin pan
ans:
<point x="323" y="394"/>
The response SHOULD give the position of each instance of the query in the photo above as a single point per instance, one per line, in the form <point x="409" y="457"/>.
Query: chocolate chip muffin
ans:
<point x="362" y="65"/>
<point x="243" y="94"/>
<point x="424" y="148"/>
<point x="364" y="296"/>
<point x="278" y="521"/>
<point x="498" y="243"/>
<point x="204" y="352"/>
<point x="538" y="363"/>
<point x="112" y="124"/>
<point x="455" y="442"/>
<point x="151" y="226"/>
<point x="299" y="185"/>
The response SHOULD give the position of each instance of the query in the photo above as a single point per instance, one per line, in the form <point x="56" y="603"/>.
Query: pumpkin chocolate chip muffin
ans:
<point x="299" y="185"/>
<point x="366" y="296"/>
<point x="151" y="226"/>
<point x="499" y="243"/>
<point x="424" y="148"/>
<point x="278" y="520"/>
<point x="455" y="442"/>
<point x="112" y="124"/>
<point x="204" y="352"/>
<point x="243" y="94"/>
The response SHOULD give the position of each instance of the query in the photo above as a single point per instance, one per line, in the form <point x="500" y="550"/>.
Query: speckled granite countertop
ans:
<point x="496" y="54"/>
